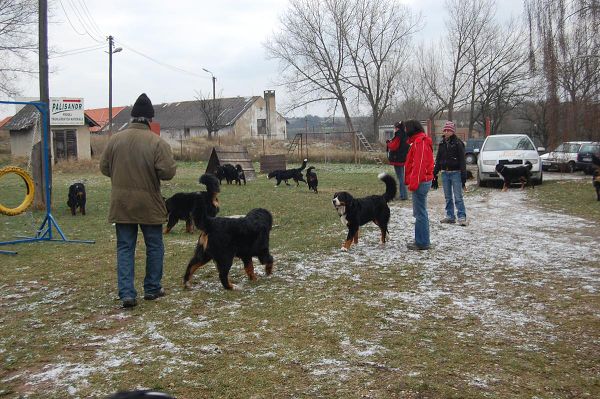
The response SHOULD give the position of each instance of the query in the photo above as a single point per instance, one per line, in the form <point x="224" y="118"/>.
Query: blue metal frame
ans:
<point x="44" y="233"/>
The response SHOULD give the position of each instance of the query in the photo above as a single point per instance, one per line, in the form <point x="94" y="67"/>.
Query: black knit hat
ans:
<point x="143" y="107"/>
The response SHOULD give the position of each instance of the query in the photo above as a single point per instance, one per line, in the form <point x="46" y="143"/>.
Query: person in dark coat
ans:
<point x="136" y="160"/>
<point x="397" y="149"/>
<point x="450" y="161"/>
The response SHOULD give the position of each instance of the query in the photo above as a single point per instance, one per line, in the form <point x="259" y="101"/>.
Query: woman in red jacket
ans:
<point x="397" y="149"/>
<point x="419" y="174"/>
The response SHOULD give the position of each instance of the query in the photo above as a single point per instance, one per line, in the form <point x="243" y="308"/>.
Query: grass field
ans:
<point x="471" y="319"/>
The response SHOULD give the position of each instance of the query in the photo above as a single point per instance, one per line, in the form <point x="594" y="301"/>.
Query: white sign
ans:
<point x="66" y="111"/>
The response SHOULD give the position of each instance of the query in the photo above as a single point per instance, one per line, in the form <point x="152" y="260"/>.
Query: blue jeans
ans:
<point x="401" y="186"/>
<point x="155" y="250"/>
<point x="453" y="193"/>
<point x="419" y="200"/>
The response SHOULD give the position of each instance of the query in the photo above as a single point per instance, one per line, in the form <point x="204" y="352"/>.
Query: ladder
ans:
<point x="294" y="143"/>
<point x="363" y="140"/>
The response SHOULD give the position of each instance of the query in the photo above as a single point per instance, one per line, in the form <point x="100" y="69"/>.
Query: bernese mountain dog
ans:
<point x="241" y="176"/>
<point x="183" y="206"/>
<point x="77" y="198"/>
<point x="311" y="179"/>
<point x="227" y="172"/>
<point x="355" y="212"/>
<point x="287" y="174"/>
<point x="516" y="174"/>
<point x="222" y="239"/>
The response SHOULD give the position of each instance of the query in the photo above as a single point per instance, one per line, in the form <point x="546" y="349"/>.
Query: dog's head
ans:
<point x="342" y="198"/>
<point x="499" y="168"/>
<point x="272" y="174"/>
<point x="528" y="165"/>
<point x="77" y="190"/>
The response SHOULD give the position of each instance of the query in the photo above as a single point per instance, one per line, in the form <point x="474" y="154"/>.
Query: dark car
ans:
<point x="472" y="148"/>
<point x="584" y="157"/>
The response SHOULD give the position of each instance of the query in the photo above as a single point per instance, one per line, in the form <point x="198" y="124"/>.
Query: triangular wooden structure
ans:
<point x="235" y="154"/>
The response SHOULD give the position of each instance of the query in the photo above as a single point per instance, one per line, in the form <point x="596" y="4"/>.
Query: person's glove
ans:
<point x="434" y="183"/>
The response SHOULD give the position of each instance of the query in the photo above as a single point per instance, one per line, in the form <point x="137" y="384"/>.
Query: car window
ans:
<point x="590" y="148"/>
<point x="571" y="147"/>
<point x="503" y="143"/>
<point x="560" y="148"/>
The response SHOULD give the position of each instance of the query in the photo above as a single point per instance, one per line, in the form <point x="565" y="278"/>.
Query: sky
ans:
<point x="166" y="46"/>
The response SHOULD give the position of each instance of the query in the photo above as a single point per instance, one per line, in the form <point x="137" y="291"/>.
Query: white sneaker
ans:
<point x="463" y="222"/>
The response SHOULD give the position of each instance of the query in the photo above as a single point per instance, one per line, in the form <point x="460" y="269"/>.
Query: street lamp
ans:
<point x="111" y="51"/>
<point x="213" y="80"/>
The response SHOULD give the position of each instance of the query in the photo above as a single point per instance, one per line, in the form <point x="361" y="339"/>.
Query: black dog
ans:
<point x="517" y="174"/>
<point x="77" y="198"/>
<point x="223" y="239"/>
<point x="183" y="206"/>
<point x="227" y="172"/>
<point x="286" y="174"/>
<point x="311" y="179"/>
<point x="355" y="212"/>
<point x="240" y="174"/>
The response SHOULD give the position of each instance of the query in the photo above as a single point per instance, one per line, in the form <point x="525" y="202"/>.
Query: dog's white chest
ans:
<point x="344" y="220"/>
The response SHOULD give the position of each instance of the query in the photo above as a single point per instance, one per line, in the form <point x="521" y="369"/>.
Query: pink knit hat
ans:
<point x="449" y="127"/>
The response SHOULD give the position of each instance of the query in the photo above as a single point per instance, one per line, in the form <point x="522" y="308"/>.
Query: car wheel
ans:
<point x="571" y="167"/>
<point x="538" y="182"/>
<point x="470" y="159"/>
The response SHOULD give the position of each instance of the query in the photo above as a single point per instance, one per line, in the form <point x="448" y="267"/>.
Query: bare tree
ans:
<point x="310" y="48"/>
<point x="329" y="48"/>
<point x="18" y="20"/>
<point x="378" y="43"/>
<point x="211" y="111"/>
<point x="565" y="50"/>
<point x="501" y="75"/>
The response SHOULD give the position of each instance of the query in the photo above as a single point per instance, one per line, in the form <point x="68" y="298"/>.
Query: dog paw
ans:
<point x="344" y="249"/>
<point x="235" y="287"/>
<point x="187" y="285"/>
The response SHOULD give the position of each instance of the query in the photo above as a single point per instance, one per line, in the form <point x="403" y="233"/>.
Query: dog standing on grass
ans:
<point x="77" y="198"/>
<point x="311" y="179"/>
<point x="596" y="175"/>
<point x="182" y="206"/>
<point x="355" y="212"/>
<point x="241" y="176"/>
<point x="222" y="239"/>
<point x="286" y="174"/>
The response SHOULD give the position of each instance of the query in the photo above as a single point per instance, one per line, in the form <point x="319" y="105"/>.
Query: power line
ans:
<point x="77" y="51"/>
<point x="82" y="22"/>
<point x="90" y="18"/>
<point x="69" y="19"/>
<point x="164" y="64"/>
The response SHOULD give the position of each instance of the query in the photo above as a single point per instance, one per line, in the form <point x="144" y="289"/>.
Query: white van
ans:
<point x="510" y="150"/>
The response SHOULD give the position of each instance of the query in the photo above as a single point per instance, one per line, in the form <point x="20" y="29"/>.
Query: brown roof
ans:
<point x="5" y="121"/>
<point x="100" y="115"/>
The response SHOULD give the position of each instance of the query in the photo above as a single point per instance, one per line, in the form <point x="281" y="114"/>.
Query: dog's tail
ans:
<point x="211" y="182"/>
<point x="309" y="171"/>
<point x="301" y="168"/>
<point x="390" y="186"/>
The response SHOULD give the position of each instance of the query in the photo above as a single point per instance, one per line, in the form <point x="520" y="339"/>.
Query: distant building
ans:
<point x="67" y="141"/>
<point x="100" y="115"/>
<point x="240" y="117"/>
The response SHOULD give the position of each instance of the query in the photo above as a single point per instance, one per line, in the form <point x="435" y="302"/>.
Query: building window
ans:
<point x="65" y="144"/>
<point x="261" y="126"/>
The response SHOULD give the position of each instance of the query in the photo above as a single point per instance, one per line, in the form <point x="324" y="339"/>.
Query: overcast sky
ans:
<point x="223" y="36"/>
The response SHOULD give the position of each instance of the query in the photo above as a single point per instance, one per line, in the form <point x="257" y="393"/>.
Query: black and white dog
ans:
<point x="77" y="198"/>
<point x="355" y="212"/>
<point x="516" y="174"/>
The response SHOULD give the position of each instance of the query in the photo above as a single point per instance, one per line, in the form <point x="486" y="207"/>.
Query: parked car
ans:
<point x="510" y="150"/>
<point x="472" y="148"/>
<point x="563" y="157"/>
<point x="584" y="157"/>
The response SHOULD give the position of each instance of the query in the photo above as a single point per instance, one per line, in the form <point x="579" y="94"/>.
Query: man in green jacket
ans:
<point x="136" y="160"/>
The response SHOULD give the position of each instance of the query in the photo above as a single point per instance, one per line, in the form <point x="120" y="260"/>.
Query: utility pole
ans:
<point x="45" y="91"/>
<point x="111" y="51"/>
<point x="110" y="113"/>
<point x="214" y="81"/>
